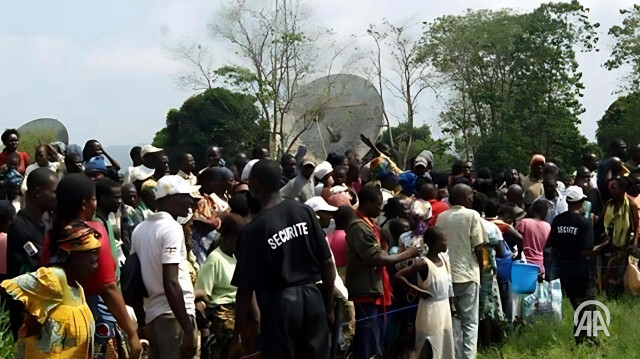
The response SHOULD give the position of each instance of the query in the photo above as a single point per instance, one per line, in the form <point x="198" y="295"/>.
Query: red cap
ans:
<point x="537" y="159"/>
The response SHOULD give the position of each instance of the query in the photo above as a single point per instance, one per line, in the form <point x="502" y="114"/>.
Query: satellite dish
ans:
<point x="329" y="114"/>
<point x="39" y="132"/>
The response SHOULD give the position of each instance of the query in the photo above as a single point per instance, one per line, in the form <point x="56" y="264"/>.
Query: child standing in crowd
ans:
<point x="434" y="332"/>
<point x="535" y="232"/>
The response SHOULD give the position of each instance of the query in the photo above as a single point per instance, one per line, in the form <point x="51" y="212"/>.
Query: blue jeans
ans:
<point x="466" y="299"/>
<point x="368" y="338"/>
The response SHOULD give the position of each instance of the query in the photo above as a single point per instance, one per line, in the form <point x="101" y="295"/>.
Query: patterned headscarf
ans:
<point x="78" y="237"/>
<point x="206" y="212"/>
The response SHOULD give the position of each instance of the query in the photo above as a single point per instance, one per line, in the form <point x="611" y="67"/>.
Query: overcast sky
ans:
<point x="103" y="68"/>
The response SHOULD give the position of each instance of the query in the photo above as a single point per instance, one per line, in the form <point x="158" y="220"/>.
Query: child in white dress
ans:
<point x="434" y="334"/>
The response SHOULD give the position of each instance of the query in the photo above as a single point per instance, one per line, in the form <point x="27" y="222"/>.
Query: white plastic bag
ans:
<point x="544" y="303"/>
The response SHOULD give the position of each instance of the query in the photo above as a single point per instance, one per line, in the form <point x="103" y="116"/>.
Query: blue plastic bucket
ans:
<point x="524" y="277"/>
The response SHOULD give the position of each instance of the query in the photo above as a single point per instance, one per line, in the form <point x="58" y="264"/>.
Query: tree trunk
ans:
<point x="409" y="124"/>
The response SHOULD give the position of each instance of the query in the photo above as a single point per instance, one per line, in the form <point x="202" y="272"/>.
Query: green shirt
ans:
<point x="112" y="243"/>
<point x="215" y="278"/>
<point x="363" y="278"/>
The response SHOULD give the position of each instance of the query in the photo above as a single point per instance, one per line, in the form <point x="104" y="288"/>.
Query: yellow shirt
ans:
<point x="67" y="324"/>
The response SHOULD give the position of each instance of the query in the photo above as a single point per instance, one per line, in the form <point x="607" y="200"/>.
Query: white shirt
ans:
<point x="137" y="173"/>
<point x="53" y="166"/>
<point x="386" y="196"/>
<point x="159" y="240"/>
<point x="554" y="207"/>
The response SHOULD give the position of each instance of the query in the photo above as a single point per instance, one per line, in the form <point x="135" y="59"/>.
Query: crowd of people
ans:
<point x="298" y="258"/>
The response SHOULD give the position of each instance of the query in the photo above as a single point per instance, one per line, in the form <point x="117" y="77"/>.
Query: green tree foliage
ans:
<point x="514" y="81"/>
<point x="626" y="50"/>
<point x="216" y="116"/>
<point x="30" y="141"/>
<point x="620" y="121"/>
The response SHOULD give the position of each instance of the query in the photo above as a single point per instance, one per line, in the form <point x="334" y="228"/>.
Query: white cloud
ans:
<point x="128" y="59"/>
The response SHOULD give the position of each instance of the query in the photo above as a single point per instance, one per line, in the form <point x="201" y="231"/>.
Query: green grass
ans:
<point x="543" y="340"/>
<point x="6" y="339"/>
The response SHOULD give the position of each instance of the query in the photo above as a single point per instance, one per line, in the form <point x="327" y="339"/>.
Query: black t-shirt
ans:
<point x="570" y="234"/>
<point x="283" y="246"/>
<point x="22" y="231"/>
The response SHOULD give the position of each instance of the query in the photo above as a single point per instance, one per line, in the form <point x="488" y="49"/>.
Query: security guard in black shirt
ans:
<point x="281" y="254"/>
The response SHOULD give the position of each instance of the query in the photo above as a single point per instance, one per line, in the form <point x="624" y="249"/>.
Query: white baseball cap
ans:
<point x="246" y="171"/>
<point x="421" y="161"/>
<point x="149" y="149"/>
<point x="318" y="203"/>
<point x="169" y="185"/>
<point x="322" y="170"/>
<point x="574" y="194"/>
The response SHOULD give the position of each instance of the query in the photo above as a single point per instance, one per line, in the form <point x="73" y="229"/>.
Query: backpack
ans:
<point x="132" y="285"/>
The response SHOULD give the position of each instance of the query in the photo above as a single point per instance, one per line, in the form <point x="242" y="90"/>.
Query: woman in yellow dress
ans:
<point x="58" y="322"/>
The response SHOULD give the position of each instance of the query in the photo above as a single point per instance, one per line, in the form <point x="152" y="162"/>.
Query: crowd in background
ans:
<point x="298" y="258"/>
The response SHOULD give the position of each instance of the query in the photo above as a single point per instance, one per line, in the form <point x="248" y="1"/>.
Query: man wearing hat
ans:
<point x="301" y="188"/>
<point x="571" y="238"/>
<point x="96" y="168"/>
<point x="159" y="244"/>
<point x="144" y="169"/>
<point x="532" y="184"/>
<point x="423" y="165"/>
<point x="323" y="177"/>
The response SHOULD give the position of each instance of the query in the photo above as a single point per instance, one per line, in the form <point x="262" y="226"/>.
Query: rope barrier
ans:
<point x="389" y="312"/>
<point x="416" y="305"/>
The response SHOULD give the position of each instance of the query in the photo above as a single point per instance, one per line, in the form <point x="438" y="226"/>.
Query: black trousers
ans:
<point x="293" y="324"/>
<point x="579" y="287"/>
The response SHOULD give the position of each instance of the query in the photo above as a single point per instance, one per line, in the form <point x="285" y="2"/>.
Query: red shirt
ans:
<point x="24" y="157"/>
<point x="3" y="253"/>
<point x="106" y="272"/>
<point x="338" y="244"/>
<point x="534" y="238"/>
<point x="437" y="207"/>
<point x="504" y="227"/>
